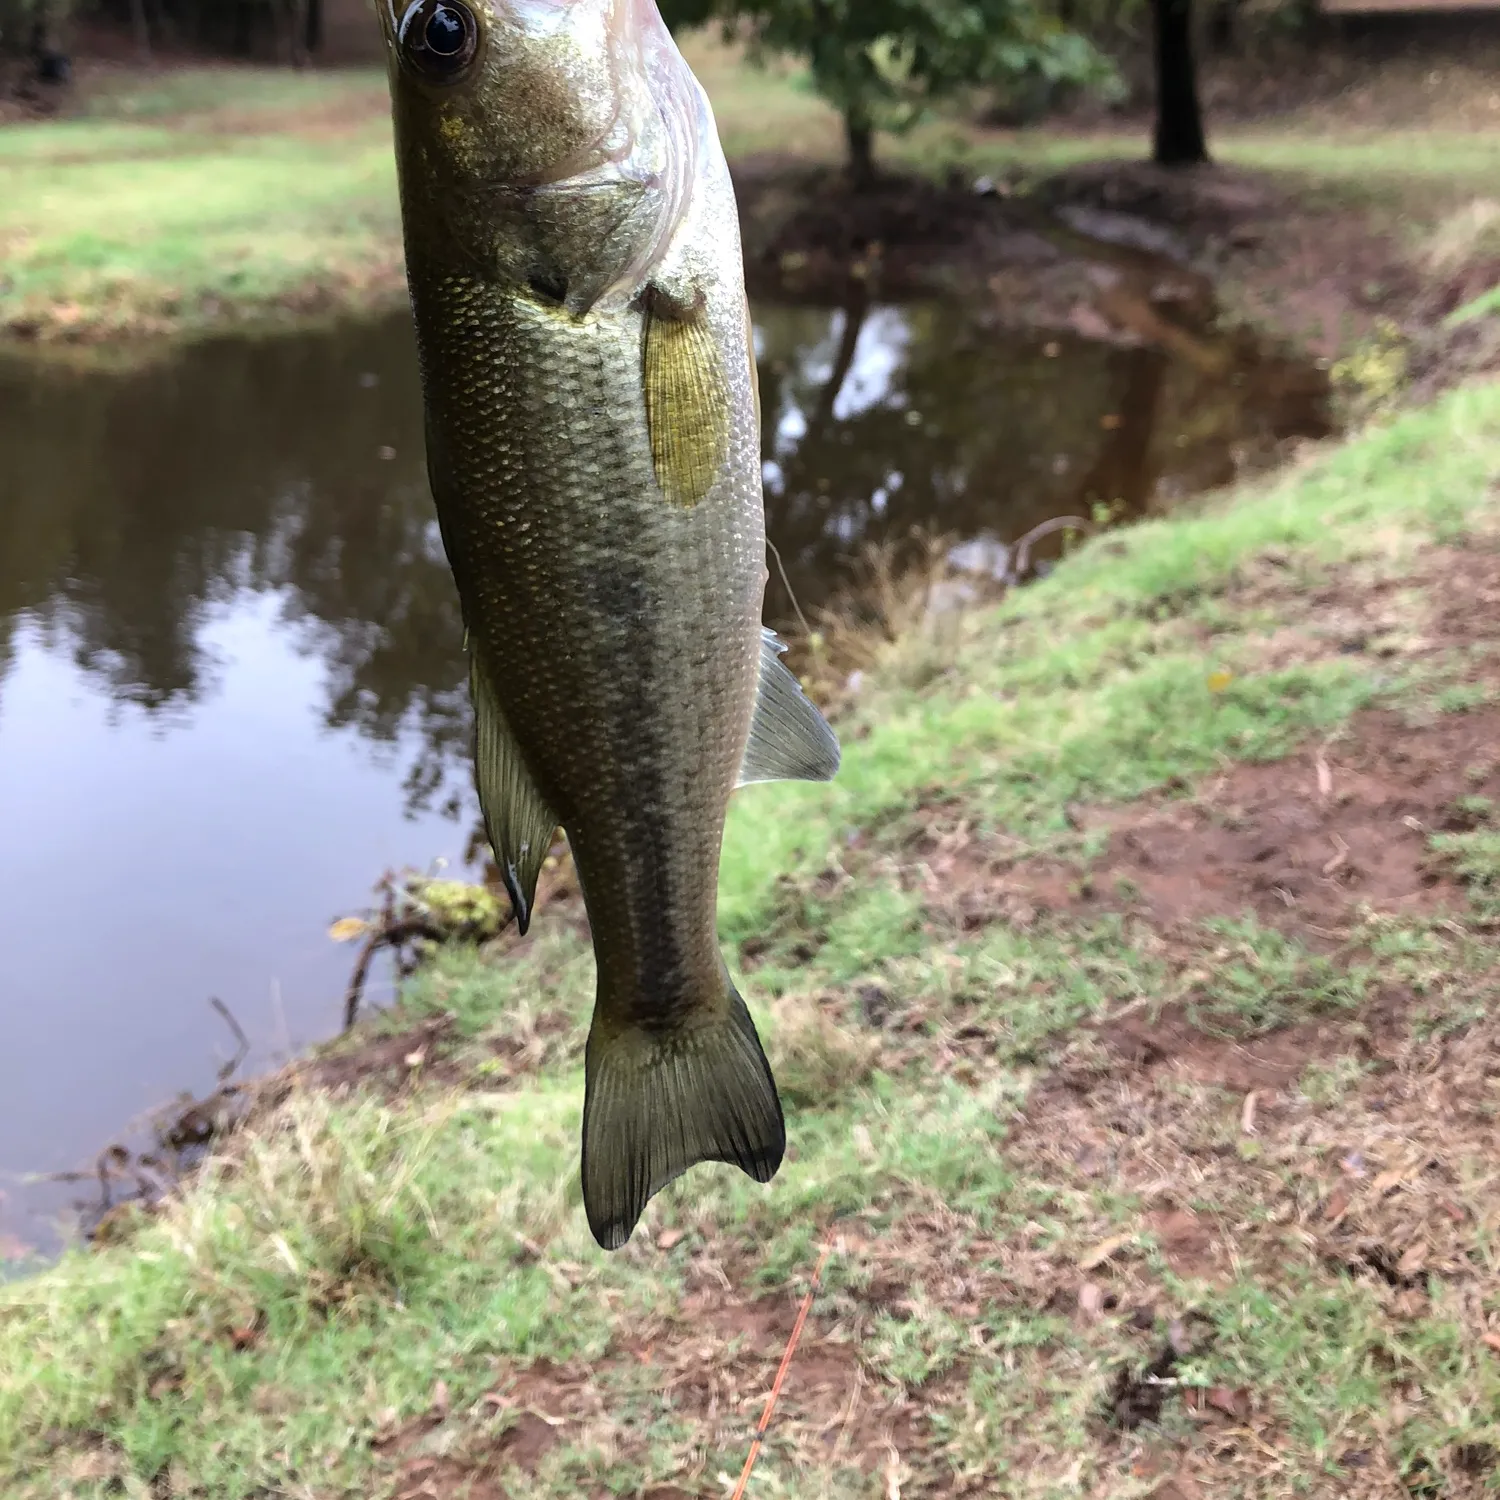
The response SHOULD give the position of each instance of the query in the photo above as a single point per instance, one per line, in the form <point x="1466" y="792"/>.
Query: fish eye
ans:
<point x="439" y="38"/>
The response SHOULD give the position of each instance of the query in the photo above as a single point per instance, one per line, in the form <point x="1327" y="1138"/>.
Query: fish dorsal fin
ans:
<point x="688" y="403"/>
<point x="518" y="821"/>
<point x="789" y="739"/>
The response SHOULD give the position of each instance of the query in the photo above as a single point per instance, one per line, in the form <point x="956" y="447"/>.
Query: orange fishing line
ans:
<point x="786" y="1360"/>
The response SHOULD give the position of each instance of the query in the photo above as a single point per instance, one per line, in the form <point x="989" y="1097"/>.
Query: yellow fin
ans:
<point x="687" y="405"/>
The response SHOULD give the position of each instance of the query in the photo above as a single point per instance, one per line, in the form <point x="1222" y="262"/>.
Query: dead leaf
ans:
<point x="244" y="1337"/>
<point x="1180" y="1488"/>
<point x="1410" y="1304"/>
<point x="1247" y="1113"/>
<point x="1340" y="857"/>
<point x="1337" y="1205"/>
<point x="893" y="1473"/>
<point x="347" y="929"/>
<point x="1232" y="1402"/>
<point x="1325" y="779"/>
<point x="416" y="1059"/>
<point x="1091" y="1300"/>
<point x="440" y="1399"/>
<point x="669" y="1239"/>
<point x="1492" y="1341"/>
<point x="1105" y="1250"/>
<point x="1386" y="1182"/>
<point x="1413" y="1259"/>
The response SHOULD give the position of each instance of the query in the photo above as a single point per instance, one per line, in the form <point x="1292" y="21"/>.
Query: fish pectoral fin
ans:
<point x="517" y="819"/>
<point x="789" y="739"/>
<point x="688" y="402"/>
<point x="657" y="1104"/>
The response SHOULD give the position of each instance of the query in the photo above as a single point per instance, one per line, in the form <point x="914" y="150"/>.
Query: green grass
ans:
<point x="178" y="199"/>
<point x="355" y="1286"/>
<point x="207" y="194"/>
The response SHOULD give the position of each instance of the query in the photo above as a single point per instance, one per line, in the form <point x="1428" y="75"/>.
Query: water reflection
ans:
<point x="230" y="678"/>
<point x="294" y="466"/>
<point x="881" y="420"/>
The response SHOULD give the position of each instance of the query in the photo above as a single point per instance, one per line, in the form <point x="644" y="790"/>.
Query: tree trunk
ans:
<point x="1223" y="26"/>
<point x="314" y="33"/>
<point x="296" y="16"/>
<point x="1179" y="121"/>
<point x="141" y="28"/>
<point x="860" y="135"/>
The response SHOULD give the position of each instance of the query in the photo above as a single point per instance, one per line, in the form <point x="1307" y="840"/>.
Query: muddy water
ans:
<point x="230" y="686"/>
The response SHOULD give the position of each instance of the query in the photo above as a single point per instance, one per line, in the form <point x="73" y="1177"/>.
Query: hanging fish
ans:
<point x="593" y="436"/>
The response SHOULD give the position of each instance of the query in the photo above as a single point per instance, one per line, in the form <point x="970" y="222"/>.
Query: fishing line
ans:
<point x="786" y="583"/>
<point x="786" y="1361"/>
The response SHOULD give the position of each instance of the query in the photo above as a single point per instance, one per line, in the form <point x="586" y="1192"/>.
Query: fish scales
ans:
<point x="587" y="587"/>
<point x="593" y="444"/>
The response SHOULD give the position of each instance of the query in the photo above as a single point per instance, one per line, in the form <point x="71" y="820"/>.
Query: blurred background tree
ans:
<point x="33" y="29"/>
<point x="883" y="63"/>
<point x="1178" y="140"/>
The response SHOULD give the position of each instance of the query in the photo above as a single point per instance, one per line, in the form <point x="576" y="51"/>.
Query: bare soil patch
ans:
<point x="1310" y="843"/>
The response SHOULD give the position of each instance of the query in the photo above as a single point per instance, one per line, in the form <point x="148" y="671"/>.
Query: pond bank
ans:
<point x="226" y="563"/>
<point x="207" y="199"/>
<point x="1128" y="995"/>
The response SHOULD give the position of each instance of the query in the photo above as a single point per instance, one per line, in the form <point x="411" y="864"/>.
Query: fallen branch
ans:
<point x="241" y="1041"/>
<point x="419" y="910"/>
<point x="1022" y="550"/>
<point x="396" y="935"/>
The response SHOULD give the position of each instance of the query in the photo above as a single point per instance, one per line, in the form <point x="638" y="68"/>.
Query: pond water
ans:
<point x="230" y="683"/>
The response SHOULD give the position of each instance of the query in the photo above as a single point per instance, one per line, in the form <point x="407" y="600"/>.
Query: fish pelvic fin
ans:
<point x="517" y="819"/>
<point x="789" y="739"/>
<point x="659" y="1103"/>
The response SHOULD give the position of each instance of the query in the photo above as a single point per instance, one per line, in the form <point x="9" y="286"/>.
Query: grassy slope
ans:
<point x="374" y="1292"/>
<point x="185" y="198"/>
<point x="197" y="189"/>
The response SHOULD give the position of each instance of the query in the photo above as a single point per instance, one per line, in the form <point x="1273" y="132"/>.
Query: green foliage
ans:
<point x="882" y="63"/>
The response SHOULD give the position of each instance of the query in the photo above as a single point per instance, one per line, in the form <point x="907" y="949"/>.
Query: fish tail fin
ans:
<point x="659" y="1103"/>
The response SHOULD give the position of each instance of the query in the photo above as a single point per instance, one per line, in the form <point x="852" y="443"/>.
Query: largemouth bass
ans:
<point x="593" y="435"/>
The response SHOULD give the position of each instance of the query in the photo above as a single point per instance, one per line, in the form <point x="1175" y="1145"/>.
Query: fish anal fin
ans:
<point x="789" y="739"/>
<point x="659" y="1103"/>
<point x="517" y="819"/>
<point x="688" y="403"/>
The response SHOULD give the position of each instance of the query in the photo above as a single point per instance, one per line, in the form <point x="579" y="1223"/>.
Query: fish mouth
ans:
<point x="647" y="70"/>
